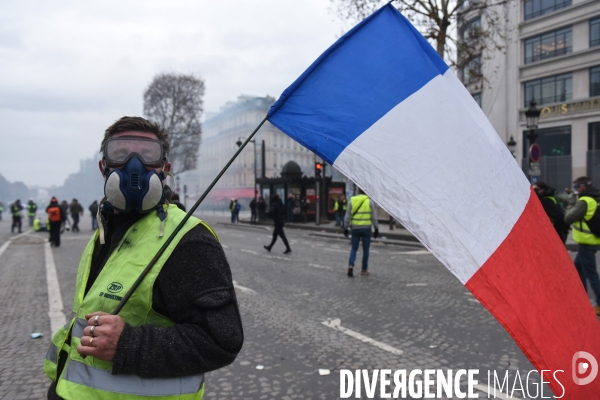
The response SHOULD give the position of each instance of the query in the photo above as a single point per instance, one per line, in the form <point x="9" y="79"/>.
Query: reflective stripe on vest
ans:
<point x="78" y="372"/>
<point x="361" y="211"/>
<point x="31" y="209"/>
<point x="581" y="230"/>
<point x="90" y="377"/>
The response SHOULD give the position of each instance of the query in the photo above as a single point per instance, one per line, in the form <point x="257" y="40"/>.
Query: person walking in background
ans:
<point x="547" y="196"/>
<point x="340" y="206"/>
<point x="76" y="210"/>
<point x="31" y="210"/>
<point x="290" y="204"/>
<point x="336" y="209"/>
<point x="232" y="205"/>
<point x="253" y="211"/>
<point x="1" y="209"/>
<point x="236" y="210"/>
<point x="15" y="210"/>
<point x="66" y="224"/>
<point x="303" y="208"/>
<point x="261" y="207"/>
<point x="55" y="219"/>
<point x="583" y="215"/>
<point x="93" y="208"/>
<point x="277" y="213"/>
<point x="360" y="215"/>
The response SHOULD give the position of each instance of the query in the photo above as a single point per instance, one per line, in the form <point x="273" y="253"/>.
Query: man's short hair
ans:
<point x="541" y="185"/>
<point x="126" y="124"/>
<point x="583" y="180"/>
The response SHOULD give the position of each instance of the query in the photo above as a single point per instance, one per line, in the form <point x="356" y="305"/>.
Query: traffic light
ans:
<point x="318" y="171"/>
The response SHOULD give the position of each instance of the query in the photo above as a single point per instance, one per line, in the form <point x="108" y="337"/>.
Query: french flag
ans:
<point x="382" y="107"/>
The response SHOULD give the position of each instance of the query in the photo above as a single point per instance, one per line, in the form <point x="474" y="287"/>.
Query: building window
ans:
<point x="548" y="45"/>
<point x="535" y="8"/>
<point x="470" y="30"/>
<point x="477" y="97"/>
<point x="594" y="136"/>
<point x="595" y="32"/>
<point x="552" y="89"/>
<point x="472" y="70"/>
<point x="553" y="141"/>
<point x="595" y="81"/>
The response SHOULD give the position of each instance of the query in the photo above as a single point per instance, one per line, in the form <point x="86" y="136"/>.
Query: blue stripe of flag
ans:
<point x="366" y="73"/>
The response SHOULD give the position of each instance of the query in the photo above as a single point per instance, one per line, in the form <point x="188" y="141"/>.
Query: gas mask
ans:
<point x="134" y="187"/>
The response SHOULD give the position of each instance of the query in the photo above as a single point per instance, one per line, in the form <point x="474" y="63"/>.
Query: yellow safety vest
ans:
<point x="361" y="211"/>
<point x="91" y="378"/>
<point x="581" y="230"/>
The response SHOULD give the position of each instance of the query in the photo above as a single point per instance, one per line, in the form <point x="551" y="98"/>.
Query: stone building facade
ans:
<point x="551" y="54"/>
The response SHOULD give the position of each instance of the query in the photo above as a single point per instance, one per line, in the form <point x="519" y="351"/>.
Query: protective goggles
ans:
<point x="117" y="151"/>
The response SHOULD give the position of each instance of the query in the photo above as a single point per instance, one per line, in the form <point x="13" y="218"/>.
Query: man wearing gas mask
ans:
<point x="183" y="319"/>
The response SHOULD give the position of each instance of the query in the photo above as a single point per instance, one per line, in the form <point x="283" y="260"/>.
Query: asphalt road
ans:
<point x="304" y="319"/>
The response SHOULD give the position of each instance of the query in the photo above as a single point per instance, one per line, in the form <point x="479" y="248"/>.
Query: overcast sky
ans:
<point x="68" y="69"/>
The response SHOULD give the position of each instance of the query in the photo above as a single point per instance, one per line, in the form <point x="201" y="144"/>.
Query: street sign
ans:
<point x="534" y="169"/>
<point x="535" y="153"/>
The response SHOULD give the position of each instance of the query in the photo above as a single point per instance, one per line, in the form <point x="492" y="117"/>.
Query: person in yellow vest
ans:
<point x="360" y="216"/>
<point x="31" y="211"/>
<point x="181" y="322"/>
<point x="38" y="226"/>
<point x="15" y="210"/>
<point x="580" y="215"/>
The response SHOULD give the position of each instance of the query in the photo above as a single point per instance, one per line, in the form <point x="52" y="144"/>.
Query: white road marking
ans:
<point x="7" y="243"/>
<point x="473" y="300"/>
<point x="243" y="288"/>
<point x="335" y="324"/>
<point x="249" y="251"/>
<point x="336" y="250"/>
<point x="22" y="234"/>
<point x="412" y="252"/>
<point x="277" y="257"/>
<point x="416" y="284"/>
<point x="4" y="247"/>
<point x="224" y="246"/>
<point x="318" y="266"/>
<point x="55" y="304"/>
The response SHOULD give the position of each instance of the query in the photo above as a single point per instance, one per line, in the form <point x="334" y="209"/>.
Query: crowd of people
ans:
<point x="57" y="217"/>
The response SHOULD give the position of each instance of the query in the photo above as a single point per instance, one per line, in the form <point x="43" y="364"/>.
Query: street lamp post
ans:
<point x="512" y="146"/>
<point x="532" y="115"/>
<point x="253" y="141"/>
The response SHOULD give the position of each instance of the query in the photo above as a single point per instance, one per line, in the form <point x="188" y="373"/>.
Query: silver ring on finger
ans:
<point x="96" y="320"/>
<point x="92" y="331"/>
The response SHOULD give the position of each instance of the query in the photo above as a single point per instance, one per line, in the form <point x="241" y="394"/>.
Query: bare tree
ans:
<point x="175" y="101"/>
<point x="462" y="47"/>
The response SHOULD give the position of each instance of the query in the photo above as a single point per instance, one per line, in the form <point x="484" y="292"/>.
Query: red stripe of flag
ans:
<point x="531" y="286"/>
